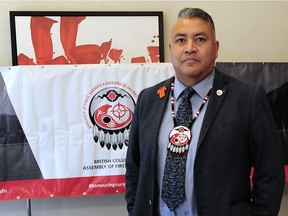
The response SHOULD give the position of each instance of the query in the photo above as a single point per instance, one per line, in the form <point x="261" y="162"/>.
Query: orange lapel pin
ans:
<point x="161" y="91"/>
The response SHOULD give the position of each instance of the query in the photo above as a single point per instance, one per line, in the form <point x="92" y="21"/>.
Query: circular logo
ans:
<point x="110" y="111"/>
<point x="179" y="139"/>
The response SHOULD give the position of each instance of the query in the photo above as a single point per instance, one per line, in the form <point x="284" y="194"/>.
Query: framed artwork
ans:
<point x="43" y="38"/>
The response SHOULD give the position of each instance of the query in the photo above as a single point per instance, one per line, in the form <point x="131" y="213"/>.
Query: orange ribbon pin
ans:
<point x="161" y="91"/>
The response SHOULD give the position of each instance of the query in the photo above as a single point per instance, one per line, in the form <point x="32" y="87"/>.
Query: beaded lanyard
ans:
<point x="180" y="136"/>
<point x="173" y="185"/>
<point x="197" y="113"/>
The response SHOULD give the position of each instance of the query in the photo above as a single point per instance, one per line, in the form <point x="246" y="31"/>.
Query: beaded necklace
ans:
<point x="196" y="114"/>
<point x="180" y="136"/>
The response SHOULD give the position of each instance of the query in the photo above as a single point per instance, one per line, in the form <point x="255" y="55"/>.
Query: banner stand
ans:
<point x="28" y="207"/>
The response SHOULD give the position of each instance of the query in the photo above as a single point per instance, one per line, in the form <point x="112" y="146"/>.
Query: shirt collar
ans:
<point x="201" y="87"/>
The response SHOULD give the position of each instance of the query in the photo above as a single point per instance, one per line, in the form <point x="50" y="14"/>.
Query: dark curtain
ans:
<point x="274" y="78"/>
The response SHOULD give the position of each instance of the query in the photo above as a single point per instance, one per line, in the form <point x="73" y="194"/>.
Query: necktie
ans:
<point x="173" y="185"/>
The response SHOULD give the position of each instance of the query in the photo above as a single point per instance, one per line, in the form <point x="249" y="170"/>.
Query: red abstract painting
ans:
<point x="46" y="40"/>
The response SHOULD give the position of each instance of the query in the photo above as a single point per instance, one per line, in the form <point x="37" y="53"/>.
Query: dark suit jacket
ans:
<point x="237" y="133"/>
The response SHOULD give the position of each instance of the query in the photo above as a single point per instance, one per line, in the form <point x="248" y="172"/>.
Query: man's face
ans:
<point x="193" y="49"/>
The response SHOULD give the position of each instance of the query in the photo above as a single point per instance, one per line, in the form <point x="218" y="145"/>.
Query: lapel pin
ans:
<point x="219" y="92"/>
<point x="161" y="91"/>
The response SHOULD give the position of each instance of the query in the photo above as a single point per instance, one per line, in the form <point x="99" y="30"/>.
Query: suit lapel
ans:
<point x="158" y="109"/>
<point x="160" y="105"/>
<point x="219" y="91"/>
<point x="215" y="101"/>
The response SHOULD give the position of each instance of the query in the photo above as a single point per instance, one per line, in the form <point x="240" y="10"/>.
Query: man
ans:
<point x="232" y="132"/>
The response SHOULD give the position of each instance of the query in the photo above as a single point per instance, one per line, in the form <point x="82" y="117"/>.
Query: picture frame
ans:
<point x="86" y="37"/>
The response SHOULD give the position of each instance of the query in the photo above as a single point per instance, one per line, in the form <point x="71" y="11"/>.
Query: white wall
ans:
<point x="248" y="31"/>
<point x="88" y="206"/>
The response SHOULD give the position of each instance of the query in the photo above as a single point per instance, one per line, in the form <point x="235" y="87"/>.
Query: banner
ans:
<point x="64" y="129"/>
